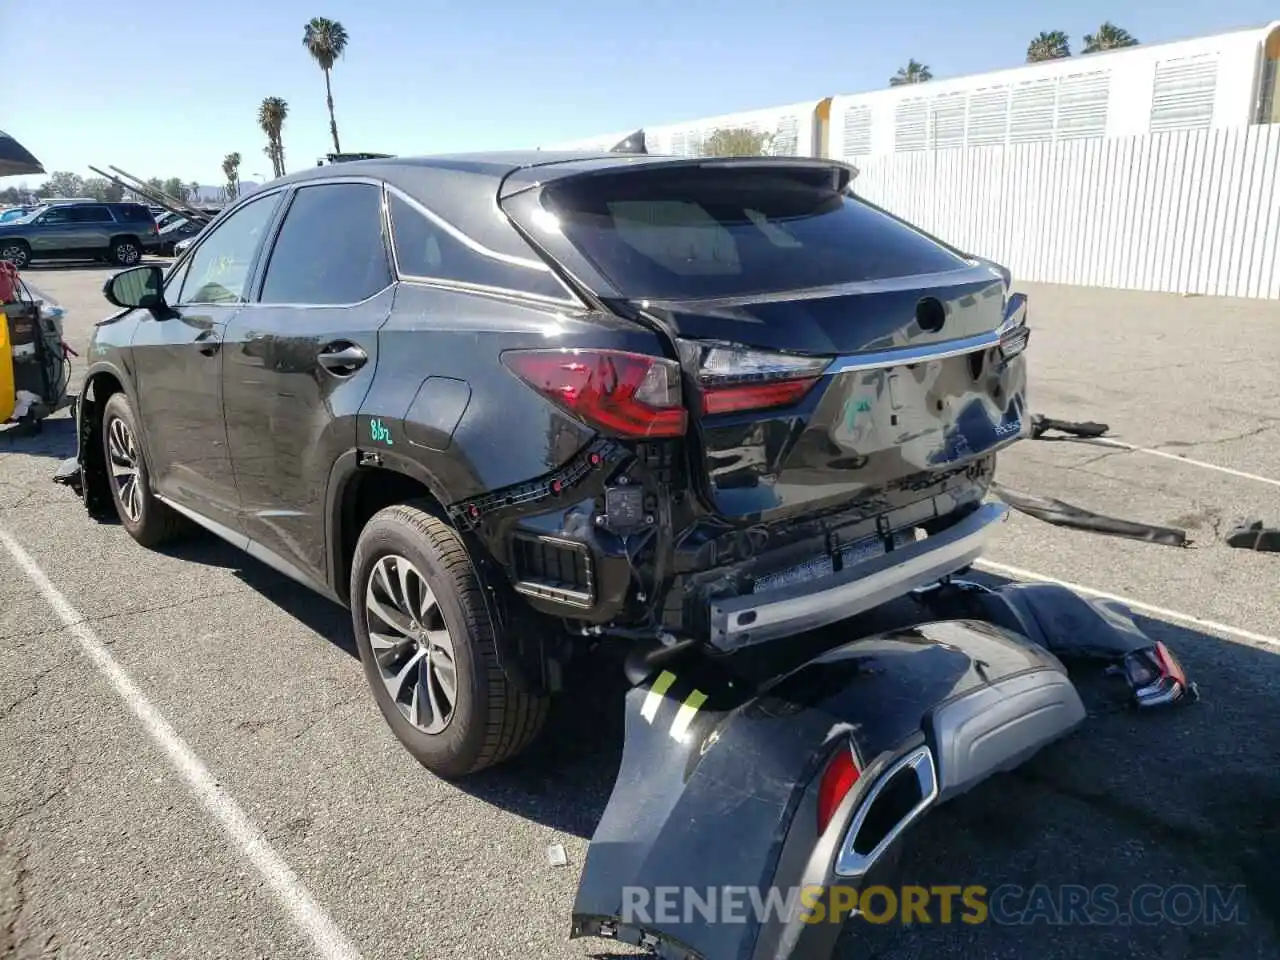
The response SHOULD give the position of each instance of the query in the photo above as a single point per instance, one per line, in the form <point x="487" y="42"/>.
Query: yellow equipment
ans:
<point x="34" y="363"/>
<point x="8" y="396"/>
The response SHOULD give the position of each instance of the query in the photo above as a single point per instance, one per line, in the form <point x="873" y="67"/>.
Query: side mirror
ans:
<point x="137" y="288"/>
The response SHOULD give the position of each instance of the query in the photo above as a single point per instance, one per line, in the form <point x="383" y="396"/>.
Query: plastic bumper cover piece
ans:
<point x="713" y="835"/>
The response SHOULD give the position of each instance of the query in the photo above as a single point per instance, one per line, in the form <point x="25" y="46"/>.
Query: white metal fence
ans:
<point x="1191" y="211"/>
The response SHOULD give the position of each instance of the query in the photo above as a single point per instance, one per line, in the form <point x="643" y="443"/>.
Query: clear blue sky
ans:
<point x="166" y="89"/>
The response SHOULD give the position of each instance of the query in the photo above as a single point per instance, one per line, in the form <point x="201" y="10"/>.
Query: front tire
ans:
<point x="148" y="520"/>
<point x="16" y="252"/>
<point x="428" y="647"/>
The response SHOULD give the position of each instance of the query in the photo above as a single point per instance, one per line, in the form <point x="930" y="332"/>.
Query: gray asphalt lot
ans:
<point x="106" y="852"/>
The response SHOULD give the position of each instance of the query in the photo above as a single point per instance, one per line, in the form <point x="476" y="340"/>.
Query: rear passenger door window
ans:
<point x="428" y="250"/>
<point x="330" y="249"/>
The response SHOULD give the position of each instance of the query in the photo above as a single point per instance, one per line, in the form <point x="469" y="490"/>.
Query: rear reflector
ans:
<point x="837" y="780"/>
<point x="629" y="395"/>
<point x="735" y="379"/>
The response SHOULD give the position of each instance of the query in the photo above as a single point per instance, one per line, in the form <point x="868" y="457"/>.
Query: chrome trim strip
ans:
<point x="923" y="353"/>
<point x="850" y="863"/>
<point x="465" y="240"/>
<point x="751" y="619"/>
<point x="505" y="293"/>
<point x="532" y="264"/>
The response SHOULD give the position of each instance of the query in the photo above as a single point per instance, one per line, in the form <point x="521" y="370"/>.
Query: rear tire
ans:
<point x="126" y="252"/>
<point x="446" y="636"/>
<point x="16" y="252"/>
<point x="148" y="520"/>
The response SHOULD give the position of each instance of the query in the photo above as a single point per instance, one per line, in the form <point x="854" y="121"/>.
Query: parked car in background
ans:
<point x="118" y="232"/>
<point x="175" y="232"/>
<point x="17" y="213"/>
<point x="182" y="246"/>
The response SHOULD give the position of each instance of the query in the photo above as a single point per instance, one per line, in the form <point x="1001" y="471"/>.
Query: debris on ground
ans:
<point x="1040" y="425"/>
<point x="1252" y="535"/>
<point x="556" y="855"/>
<point x="1063" y="514"/>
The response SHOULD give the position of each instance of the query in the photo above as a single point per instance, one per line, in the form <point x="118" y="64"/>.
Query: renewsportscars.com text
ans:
<point x="1007" y="905"/>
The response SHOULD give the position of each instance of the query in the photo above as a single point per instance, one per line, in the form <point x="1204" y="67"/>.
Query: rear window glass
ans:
<point x="691" y="233"/>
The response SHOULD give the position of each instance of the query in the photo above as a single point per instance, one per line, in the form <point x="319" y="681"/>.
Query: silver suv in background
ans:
<point x="118" y="232"/>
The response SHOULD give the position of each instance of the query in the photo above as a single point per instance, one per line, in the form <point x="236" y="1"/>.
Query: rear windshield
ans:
<point x="691" y="232"/>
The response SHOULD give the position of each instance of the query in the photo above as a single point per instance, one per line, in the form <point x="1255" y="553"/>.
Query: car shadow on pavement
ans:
<point x="55" y="438"/>
<point x="1186" y="795"/>
<point x="316" y="613"/>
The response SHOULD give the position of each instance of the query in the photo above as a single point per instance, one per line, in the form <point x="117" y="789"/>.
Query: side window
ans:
<point x="91" y="215"/>
<point x="424" y="249"/>
<point x="56" y="215"/>
<point x="330" y="249"/>
<point x="132" y="213"/>
<point x="219" y="271"/>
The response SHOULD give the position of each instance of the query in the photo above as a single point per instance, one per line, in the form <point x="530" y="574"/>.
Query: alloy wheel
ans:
<point x="128" y="254"/>
<point x="16" y="255"/>
<point x="411" y="644"/>
<point x="122" y="451"/>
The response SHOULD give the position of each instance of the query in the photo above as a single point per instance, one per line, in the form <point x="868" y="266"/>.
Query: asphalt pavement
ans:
<point x="190" y="764"/>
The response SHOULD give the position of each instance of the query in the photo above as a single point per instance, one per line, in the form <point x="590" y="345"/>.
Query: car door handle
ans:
<point x="342" y="358"/>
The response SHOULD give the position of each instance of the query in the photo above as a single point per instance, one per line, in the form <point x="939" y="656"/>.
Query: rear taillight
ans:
<point x="837" y="780"/>
<point x="733" y="379"/>
<point x="625" y="394"/>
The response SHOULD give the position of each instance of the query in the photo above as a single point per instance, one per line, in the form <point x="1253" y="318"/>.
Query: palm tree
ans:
<point x="271" y="116"/>
<point x="913" y="72"/>
<point x="1053" y="45"/>
<point x="1108" y="37"/>
<point x="326" y="40"/>
<point x="231" y="172"/>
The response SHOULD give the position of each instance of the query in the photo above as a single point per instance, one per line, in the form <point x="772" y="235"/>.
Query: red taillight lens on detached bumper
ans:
<point x="625" y="394"/>
<point x="837" y="780"/>
<point x="734" y="379"/>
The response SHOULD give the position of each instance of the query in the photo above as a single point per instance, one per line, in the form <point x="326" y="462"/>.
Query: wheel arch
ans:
<point x="357" y="491"/>
<point x="529" y="655"/>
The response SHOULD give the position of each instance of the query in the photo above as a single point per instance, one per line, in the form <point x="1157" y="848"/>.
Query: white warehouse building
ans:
<point x="1225" y="80"/>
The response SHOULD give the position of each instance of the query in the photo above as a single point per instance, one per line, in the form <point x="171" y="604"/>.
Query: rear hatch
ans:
<point x="829" y="350"/>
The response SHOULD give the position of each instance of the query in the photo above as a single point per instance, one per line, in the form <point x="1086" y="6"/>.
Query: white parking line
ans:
<point x="1018" y="573"/>
<point x="310" y="918"/>
<point x="1121" y="445"/>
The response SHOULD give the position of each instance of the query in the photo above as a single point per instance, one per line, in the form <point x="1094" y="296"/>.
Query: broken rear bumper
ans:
<point x="756" y="618"/>
<point x="719" y="791"/>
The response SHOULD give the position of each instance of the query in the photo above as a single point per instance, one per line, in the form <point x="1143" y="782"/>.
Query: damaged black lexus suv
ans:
<point x="504" y="407"/>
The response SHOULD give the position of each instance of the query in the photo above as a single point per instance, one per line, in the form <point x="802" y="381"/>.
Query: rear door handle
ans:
<point x="208" y="342"/>
<point x="342" y="358"/>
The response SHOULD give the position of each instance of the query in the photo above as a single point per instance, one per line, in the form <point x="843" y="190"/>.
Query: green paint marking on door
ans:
<point x="379" y="432"/>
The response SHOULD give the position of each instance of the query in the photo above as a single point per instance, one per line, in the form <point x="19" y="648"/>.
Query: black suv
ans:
<point x="508" y="406"/>
<point x="118" y="232"/>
